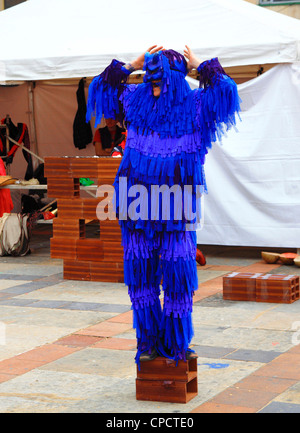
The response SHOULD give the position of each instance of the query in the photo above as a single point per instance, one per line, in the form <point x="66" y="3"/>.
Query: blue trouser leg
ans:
<point x="173" y="256"/>
<point x="142" y="275"/>
<point x="178" y="261"/>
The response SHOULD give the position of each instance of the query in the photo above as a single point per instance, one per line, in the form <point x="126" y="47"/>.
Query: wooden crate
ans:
<point x="164" y="380"/>
<point x="277" y="288"/>
<point x="240" y="286"/>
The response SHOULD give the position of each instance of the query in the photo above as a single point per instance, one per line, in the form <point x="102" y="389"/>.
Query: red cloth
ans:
<point x="6" y="204"/>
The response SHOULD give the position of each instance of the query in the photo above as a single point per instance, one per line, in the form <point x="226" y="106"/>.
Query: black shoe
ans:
<point x="146" y="356"/>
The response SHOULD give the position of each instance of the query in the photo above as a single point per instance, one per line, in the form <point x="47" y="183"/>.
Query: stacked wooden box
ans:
<point x="165" y="380"/>
<point x="260" y="287"/>
<point x="96" y="259"/>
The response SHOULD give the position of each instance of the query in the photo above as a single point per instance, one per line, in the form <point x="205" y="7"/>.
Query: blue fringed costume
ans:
<point x="167" y="140"/>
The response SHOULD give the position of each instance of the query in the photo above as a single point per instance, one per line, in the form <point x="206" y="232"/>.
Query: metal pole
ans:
<point x="33" y="137"/>
<point x="25" y="148"/>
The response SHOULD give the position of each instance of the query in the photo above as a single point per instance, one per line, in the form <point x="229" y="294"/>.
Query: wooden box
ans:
<point x="240" y="286"/>
<point x="277" y="288"/>
<point x="163" y="380"/>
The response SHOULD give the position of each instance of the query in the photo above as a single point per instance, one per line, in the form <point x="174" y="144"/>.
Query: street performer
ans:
<point x="169" y="131"/>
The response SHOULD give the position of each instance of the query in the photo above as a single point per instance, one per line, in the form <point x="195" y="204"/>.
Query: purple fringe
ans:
<point x="177" y="61"/>
<point x="210" y="72"/>
<point x="114" y="74"/>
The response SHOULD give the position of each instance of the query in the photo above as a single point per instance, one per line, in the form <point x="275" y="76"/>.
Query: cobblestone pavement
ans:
<point x="68" y="346"/>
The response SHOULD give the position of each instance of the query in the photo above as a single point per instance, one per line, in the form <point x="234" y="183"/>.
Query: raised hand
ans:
<point x="138" y="63"/>
<point x="193" y="61"/>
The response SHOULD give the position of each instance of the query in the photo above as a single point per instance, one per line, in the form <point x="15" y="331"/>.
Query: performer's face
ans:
<point x="156" y="89"/>
<point x="110" y="123"/>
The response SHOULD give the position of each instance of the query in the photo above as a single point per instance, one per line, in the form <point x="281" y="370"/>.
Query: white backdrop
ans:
<point x="253" y="178"/>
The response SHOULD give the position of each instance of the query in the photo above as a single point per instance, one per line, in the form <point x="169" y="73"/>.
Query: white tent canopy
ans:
<point x="44" y="39"/>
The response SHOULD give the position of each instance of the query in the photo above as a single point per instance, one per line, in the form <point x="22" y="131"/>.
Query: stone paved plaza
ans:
<point x="68" y="346"/>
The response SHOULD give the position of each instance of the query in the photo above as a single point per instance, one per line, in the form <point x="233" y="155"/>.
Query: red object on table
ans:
<point x="6" y="204"/>
<point x="200" y="258"/>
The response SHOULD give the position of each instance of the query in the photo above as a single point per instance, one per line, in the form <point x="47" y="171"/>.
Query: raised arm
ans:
<point x="105" y="89"/>
<point x="217" y="99"/>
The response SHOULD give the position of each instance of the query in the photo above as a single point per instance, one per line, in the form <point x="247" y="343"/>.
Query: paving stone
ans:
<point x="212" y="351"/>
<point x="105" y="329"/>
<point x="25" y="288"/>
<point x="74" y="351"/>
<point x="46" y="304"/>
<point x="278" y="407"/>
<point x="264" y="383"/>
<point x="7" y="284"/>
<point x="285" y="366"/>
<point x="246" y="398"/>
<point x="4" y="295"/>
<point x="5" y="377"/>
<point x="116" y="343"/>
<point x="122" y="318"/>
<point x="290" y="394"/>
<point x="17" y="366"/>
<point x="16" y="277"/>
<point x="78" y="340"/>
<point x="92" y="306"/>
<point x="96" y="361"/>
<point x="46" y="354"/>
<point x="16" y="302"/>
<point x="212" y="407"/>
<point x="16" y="266"/>
<point x="113" y="308"/>
<point x="253" y="355"/>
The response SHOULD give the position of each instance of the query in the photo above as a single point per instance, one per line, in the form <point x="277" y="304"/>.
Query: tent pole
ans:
<point x="33" y="138"/>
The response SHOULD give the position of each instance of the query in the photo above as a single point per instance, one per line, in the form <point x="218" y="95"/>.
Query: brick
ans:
<point x="77" y="270"/>
<point x="66" y="228"/>
<point x="89" y="250"/>
<point x="70" y="209"/>
<point x="240" y="286"/>
<point x="63" y="187"/>
<point x="62" y="248"/>
<point x="55" y="166"/>
<point x="277" y="288"/>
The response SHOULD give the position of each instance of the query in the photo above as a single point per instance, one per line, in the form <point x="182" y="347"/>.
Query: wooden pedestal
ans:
<point x="163" y="380"/>
<point x="96" y="259"/>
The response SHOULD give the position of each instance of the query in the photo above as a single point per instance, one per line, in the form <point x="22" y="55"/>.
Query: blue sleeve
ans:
<point x="104" y="93"/>
<point x="217" y="101"/>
